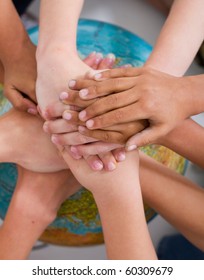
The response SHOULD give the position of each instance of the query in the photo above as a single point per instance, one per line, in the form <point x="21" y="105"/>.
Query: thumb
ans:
<point x="145" y="137"/>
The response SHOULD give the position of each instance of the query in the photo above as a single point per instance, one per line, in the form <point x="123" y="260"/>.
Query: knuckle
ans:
<point x="94" y="90"/>
<point x="119" y="139"/>
<point x="117" y="84"/>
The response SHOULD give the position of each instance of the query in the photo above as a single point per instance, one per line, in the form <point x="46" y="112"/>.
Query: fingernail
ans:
<point x="64" y="95"/>
<point x="72" y="83"/>
<point x="45" y="127"/>
<point x="89" y="123"/>
<point x="82" y="115"/>
<point x="98" y="76"/>
<point x="111" y="56"/>
<point x="99" y="57"/>
<point x="111" y="166"/>
<point x="121" y="157"/>
<point x="97" y="165"/>
<point x="54" y="139"/>
<point x="74" y="152"/>
<point x="131" y="148"/>
<point x="67" y="116"/>
<point x="83" y="92"/>
<point x="32" y="111"/>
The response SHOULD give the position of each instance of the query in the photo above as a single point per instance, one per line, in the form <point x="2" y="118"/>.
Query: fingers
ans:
<point x="104" y="88"/>
<point x="20" y="102"/>
<point x="56" y="110"/>
<point x="59" y="126"/>
<point x="145" y="137"/>
<point x="119" y="154"/>
<point x="90" y="59"/>
<point x="103" y="135"/>
<point x="107" y="62"/>
<point x="72" y="98"/>
<point x="127" y="114"/>
<point x="118" y="134"/>
<point x="94" y="163"/>
<point x="108" y="160"/>
<point x="72" y="138"/>
<point x="108" y="103"/>
<point x="72" y="117"/>
<point x="93" y="149"/>
<point x="118" y="73"/>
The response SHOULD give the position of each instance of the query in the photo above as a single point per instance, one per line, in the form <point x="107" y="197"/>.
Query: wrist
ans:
<point x="54" y="50"/>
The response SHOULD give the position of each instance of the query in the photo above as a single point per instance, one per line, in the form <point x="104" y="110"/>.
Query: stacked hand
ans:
<point x="120" y="101"/>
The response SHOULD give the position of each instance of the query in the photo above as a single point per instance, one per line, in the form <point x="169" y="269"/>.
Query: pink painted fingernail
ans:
<point x="64" y="95"/>
<point x="111" y="57"/>
<point x="97" y="165"/>
<point x="83" y="92"/>
<point x="72" y="83"/>
<point x="82" y="115"/>
<point x="111" y="166"/>
<point x="121" y="157"/>
<point x="67" y="116"/>
<point x="54" y="139"/>
<point x="74" y="152"/>
<point x="90" y="123"/>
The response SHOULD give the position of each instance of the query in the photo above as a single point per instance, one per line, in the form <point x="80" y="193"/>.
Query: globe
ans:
<point x="78" y="221"/>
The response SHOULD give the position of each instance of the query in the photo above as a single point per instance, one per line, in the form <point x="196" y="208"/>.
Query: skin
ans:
<point x="170" y="41"/>
<point x="17" y="60"/>
<point x="111" y="192"/>
<point x="133" y="93"/>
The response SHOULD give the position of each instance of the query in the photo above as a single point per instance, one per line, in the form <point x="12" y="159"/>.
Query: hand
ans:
<point x="132" y="94"/>
<point x="106" y="181"/>
<point x="19" y="79"/>
<point x="66" y="134"/>
<point x="19" y="129"/>
<point x="54" y="69"/>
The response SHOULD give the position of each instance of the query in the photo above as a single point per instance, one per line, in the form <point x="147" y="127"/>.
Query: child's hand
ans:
<point x="19" y="79"/>
<point x="127" y="95"/>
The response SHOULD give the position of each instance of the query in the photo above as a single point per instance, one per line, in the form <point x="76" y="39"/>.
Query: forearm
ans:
<point x="175" y="198"/>
<point x="13" y="35"/>
<point x="180" y="38"/>
<point x="122" y="214"/>
<point x="58" y="25"/>
<point x="187" y="139"/>
<point x="17" y="236"/>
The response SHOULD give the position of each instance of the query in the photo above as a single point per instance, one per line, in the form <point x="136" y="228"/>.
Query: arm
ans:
<point x="33" y="207"/>
<point x="17" y="55"/>
<point x="173" y="53"/>
<point x="57" y="58"/>
<point x="174" y="197"/>
<point x="187" y="140"/>
<point x="119" y="200"/>
<point x="180" y="38"/>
